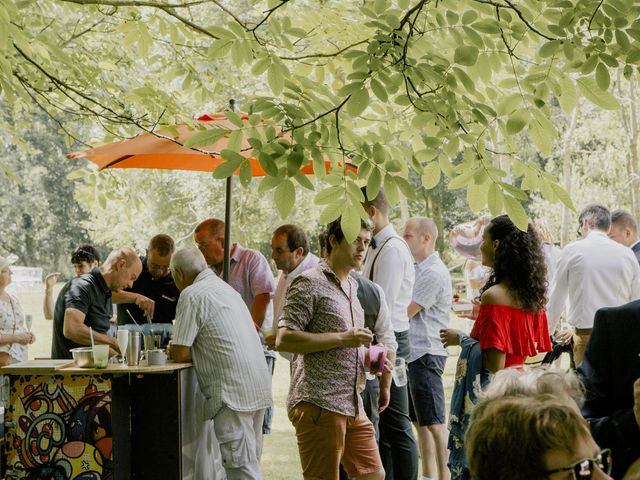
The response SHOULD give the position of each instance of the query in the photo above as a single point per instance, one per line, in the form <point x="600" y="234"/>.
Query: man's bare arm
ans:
<point x="296" y="341"/>
<point x="259" y="308"/>
<point x="75" y="330"/>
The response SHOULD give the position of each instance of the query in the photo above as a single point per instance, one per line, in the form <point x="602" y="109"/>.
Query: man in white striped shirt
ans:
<point x="214" y="329"/>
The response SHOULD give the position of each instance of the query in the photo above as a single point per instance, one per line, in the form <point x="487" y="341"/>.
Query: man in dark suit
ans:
<point x="624" y="230"/>
<point x="610" y="371"/>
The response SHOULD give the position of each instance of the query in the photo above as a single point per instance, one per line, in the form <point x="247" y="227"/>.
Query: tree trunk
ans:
<point x="567" y="174"/>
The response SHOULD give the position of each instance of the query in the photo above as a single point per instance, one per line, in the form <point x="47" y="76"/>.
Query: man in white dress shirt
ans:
<point x="214" y="329"/>
<point x="593" y="272"/>
<point x="624" y="230"/>
<point x="389" y="264"/>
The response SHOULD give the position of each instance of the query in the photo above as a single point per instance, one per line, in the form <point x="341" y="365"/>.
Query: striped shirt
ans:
<point x="331" y="379"/>
<point x="432" y="291"/>
<point x="212" y="319"/>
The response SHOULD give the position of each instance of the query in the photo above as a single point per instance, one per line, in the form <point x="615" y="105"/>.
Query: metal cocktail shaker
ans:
<point x="134" y="348"/>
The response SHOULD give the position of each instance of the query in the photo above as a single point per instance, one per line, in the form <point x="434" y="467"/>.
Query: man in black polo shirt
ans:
<point x="155" y="282"/>
<point x="87" y="303"/>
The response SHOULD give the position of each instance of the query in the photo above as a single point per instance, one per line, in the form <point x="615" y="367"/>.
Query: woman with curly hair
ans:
<point x="510" y="323"/>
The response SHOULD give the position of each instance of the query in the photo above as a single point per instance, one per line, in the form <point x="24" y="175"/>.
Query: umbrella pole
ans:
<point x="227" y="231"/>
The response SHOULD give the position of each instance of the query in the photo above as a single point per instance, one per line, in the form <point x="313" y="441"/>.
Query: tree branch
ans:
<point x="137" y="3"/>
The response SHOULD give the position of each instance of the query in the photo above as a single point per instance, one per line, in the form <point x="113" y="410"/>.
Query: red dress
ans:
<point x="518" y="333"/>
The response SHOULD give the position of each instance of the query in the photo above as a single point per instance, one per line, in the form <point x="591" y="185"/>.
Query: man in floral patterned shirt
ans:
<point x="323" y="323"/>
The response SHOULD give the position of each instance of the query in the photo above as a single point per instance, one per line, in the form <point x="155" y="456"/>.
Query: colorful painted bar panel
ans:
<point x="62" y="427"/>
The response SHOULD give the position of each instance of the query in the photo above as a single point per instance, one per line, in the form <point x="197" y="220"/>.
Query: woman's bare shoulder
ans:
<point x="497" y="295"/>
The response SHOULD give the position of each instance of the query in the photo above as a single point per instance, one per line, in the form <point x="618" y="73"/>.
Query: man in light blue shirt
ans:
<point x="428" y="313"/>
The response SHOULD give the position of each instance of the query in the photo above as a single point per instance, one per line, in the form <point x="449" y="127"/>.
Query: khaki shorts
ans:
<point x="326" y="439"/>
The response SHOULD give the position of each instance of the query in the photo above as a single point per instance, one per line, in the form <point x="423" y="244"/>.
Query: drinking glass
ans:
<point x="123" y="341"/>
<point x="399" y="372"/>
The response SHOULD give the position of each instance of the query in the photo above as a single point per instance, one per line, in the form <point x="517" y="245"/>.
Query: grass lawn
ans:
<point x="280" y="456"/>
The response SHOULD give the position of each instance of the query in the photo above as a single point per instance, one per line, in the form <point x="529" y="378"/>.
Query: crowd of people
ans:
<point x="365" y="328"/>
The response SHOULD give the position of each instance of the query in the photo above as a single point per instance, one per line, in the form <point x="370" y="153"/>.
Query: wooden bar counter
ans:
<point x="122" y="422"/>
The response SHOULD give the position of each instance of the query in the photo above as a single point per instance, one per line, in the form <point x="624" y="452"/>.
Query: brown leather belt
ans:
<point x="584" y="331"/>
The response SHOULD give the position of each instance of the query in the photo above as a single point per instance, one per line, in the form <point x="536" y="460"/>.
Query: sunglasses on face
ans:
<point x="584" y="469"/>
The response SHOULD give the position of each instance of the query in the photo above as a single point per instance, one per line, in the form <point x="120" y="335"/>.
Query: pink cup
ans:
<point x="377" y="357"/>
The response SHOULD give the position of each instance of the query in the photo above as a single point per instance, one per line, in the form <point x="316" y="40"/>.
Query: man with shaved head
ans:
<point x="428" y="313"/>
<point x="88" y="303"/>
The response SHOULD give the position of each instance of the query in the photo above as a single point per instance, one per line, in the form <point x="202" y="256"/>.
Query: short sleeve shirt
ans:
<point x="331" y="379"/>
<point x="250" y="275"/>
<point x="212" y="319"/>
<point x="90" y="294"/>
<point x="432" y="291"/>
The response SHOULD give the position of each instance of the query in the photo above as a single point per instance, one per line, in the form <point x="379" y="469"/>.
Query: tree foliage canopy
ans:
<point x="438" y="87"/>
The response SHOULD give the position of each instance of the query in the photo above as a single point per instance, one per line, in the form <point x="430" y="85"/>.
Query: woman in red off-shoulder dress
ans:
<point x="510" y="325"/>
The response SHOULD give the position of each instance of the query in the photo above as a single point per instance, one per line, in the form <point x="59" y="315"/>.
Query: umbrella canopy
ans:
<point x="165" y="150"/>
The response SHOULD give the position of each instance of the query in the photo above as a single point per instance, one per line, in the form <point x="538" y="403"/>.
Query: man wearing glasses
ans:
<point x="154" y="284"/>
<point x="592" y="272"/>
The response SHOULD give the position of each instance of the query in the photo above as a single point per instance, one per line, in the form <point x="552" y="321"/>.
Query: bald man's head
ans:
<point x="209" y="238"/>
<point x="121" y="268"/>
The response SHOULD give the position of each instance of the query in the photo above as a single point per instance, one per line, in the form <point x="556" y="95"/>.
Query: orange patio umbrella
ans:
<point x="164" y="150"/>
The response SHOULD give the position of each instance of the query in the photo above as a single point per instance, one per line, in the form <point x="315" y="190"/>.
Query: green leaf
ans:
<point x="261" y="65"/>
<point x="517" y="121"/>
<point x="379" y="90"/>
<point x="206" y="138"/>
<point x="603" y="99"/>
<point x="227" y="168"/>
<point x="285" y="197"/>
<point x="235" y="141"/>
<point x="234" y="118"/>
<point x="602" y="76"/>
<point x="269" y="183"/>
<point x="508" y="104"/>
<point x="350" y="224"/>
<point x="542" y="132"/>
<point x="487" y="26"/>
<point x="304" y="181"/>
<point x="466" y="55"/>
<point x="476" y="197"/>
<point x="516" y="212"/>
<point x="462" y="179"/>
<point x="329" y="195"/>
<point x="495" y="199"/>
<point x="358" y="102"/>
<point x="431" y="175"/>
<point x="549" y="49"/>
<point x="391" y="190"/>
<point x="75" y="174"/>
<point x="275" y="78"/>
<point x="268" y="164"/>
<point x="562" y="195"/>
<point x="245" y="173"/>
<point x="331" y="212"/>
<point x="568" y="97"/>
<point x="374" y="182"/>
<point x="405" y="187"/>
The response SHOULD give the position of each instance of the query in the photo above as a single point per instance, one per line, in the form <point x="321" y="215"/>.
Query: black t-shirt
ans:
<point x="90" y="294"/>
<point x="161" y="290"/>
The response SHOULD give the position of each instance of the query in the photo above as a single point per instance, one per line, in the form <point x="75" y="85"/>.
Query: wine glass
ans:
<point x="28" y="320"/>
<point x="123" y="340"/>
